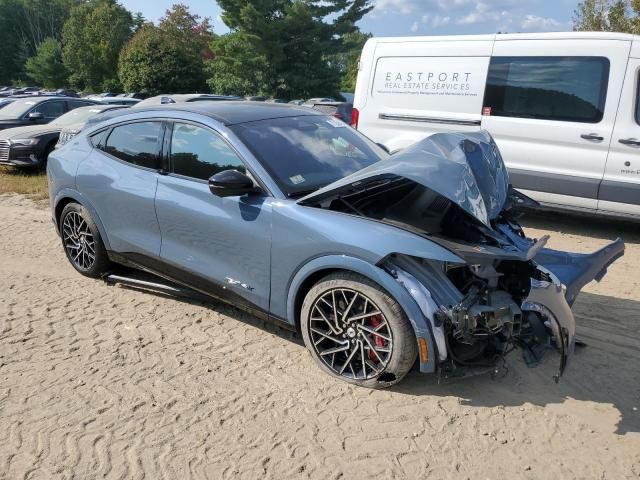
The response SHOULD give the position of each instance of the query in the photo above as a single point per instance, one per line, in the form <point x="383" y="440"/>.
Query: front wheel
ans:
<point x="356" y="332"/>
<point x="81" y="241"/>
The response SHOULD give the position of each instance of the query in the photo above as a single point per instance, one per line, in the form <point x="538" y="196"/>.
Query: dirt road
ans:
<point x="103" y="382"/>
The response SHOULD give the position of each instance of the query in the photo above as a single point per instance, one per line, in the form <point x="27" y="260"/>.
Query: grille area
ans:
<point x="4" y="150"/>
<point x="65" y="137"/>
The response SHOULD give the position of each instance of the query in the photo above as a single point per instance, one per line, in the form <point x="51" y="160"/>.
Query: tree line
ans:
<point x="608" y="16"/>
<point x="281" y="48"/>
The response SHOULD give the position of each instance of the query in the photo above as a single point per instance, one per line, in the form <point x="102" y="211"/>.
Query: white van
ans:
<point x="563" y="107"/>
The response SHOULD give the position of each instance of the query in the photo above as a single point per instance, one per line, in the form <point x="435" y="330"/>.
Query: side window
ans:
<point x="50" y="109"/>
<point x="570" y="89"/>
<point x="638" y="103"/>
<point x="78" y="103"/>
<point x="136" y="143"/>
<point x="200" y="153"/>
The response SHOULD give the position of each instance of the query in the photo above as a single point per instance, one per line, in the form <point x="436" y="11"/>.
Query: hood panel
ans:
<point x="465" y="168"/>
<point x="28" y="131"/>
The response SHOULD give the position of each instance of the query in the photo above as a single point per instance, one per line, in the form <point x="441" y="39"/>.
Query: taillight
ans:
<point x="355" y="114"/>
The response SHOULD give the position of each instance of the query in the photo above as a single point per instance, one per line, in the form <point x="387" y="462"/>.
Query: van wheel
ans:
<point x="356" y="332"/>
<point x="82" y="242"/>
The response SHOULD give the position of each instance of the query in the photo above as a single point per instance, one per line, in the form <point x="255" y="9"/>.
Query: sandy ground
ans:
<point x="104" y="382"/>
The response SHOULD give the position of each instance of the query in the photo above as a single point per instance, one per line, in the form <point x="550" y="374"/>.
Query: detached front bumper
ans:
<point x="552" y="300"/>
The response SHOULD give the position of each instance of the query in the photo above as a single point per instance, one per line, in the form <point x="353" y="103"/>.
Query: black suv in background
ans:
<point x="38" y="110"/>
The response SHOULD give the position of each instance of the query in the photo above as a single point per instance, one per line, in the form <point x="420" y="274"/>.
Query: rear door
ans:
<point x="421" y="87"/>
<point x="620" y="189"/>
<point x="553" y="115"/>
<point x="120" y="179"/>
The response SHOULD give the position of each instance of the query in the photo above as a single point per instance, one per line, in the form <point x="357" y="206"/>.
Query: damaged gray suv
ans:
<point x="382" y="262"/>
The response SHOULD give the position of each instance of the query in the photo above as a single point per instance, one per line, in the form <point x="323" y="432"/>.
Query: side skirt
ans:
<point x="203" y="288"/>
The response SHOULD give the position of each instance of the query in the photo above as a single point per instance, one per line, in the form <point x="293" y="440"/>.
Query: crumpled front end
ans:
<point x="508" y="291"/>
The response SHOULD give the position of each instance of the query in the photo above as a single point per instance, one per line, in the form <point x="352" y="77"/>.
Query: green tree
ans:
<point x="608" y="16"/>
<point x="347" y="61"/>
<point x="168" y="58"/>
<point x="92" y="39"/>
<point x="291" y="41"/>
<point x="46" y="67"/>
<point x="11" y="53"/>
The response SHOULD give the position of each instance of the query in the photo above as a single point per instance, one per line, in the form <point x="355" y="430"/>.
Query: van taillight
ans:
<point x="355" y="114"/>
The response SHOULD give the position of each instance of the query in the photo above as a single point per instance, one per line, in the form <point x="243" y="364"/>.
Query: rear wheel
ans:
<point x="82" y="242"/>
<point x="356" y="332"/>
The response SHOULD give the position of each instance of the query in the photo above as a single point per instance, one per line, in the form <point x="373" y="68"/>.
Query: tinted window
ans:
<point x="200" y="153"/>
<point x="638" y="103"/>
<point x="79" y="103"/>
<point x="50" y="109"/>
<point x="571" y="89"/>
<point x="305" y="153"/>
<point x="136" y="143"/>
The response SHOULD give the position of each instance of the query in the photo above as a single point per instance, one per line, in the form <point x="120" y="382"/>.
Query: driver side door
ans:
<point x="219" y="246"/>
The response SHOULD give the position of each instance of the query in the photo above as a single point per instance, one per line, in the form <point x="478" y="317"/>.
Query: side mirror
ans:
<point x="231" y="183"/>
<point x="35" y="116"/>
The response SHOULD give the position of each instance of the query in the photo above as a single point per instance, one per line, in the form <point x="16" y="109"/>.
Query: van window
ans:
<point x="638" y="103"/>
<point x="136" y="143"/>
<point x="569" y="89"/>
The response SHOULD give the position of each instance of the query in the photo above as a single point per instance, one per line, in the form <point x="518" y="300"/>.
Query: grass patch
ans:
<point x="27" y="182"/>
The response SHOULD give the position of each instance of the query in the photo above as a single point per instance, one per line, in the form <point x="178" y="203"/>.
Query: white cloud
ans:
<point x="414" y="27"/>
<point x="540" y="24"/>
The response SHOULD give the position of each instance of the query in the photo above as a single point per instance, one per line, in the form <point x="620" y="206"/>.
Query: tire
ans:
<point x="82" y="243"/>
<point x="388" y="345"/>
<point x="42" y="166"/>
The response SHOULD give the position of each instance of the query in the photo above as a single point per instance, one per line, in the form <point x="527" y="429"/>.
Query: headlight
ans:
<point x="24" y="141"/>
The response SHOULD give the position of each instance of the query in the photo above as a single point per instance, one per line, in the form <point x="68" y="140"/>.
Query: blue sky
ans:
<point x="421" y="17"/>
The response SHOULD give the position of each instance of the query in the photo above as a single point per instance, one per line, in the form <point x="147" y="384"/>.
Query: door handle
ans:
<point x="592" y="136"/>
<point x="632" y="142"/>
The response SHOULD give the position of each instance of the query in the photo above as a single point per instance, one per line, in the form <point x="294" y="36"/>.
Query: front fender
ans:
<point x="420" y="325"/>
<point x="84" y="201"/>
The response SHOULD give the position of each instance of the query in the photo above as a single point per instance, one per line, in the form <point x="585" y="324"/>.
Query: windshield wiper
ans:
<point x="302" y="193"/>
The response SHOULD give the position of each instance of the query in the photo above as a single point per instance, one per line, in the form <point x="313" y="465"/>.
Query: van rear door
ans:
<point x="417" y="87"/>
<point x="551" y="107"/>
<point x="620" y="188"/>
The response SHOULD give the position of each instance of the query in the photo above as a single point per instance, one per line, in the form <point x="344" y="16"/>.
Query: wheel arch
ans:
<point x="67" y="196"/>
<point x="313" y="271"/>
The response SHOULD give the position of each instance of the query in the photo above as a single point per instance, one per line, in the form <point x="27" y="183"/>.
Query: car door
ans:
<point x="51" y="109"/>
<point x="620" y="189"/>
<point x="221" y="246"/>
<point x="119" y="178"/>
<point x="553" y="115"/>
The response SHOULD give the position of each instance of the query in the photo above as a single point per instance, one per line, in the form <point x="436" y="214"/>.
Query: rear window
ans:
<point x="136" y="143"/>
<point x="570" y="89"/>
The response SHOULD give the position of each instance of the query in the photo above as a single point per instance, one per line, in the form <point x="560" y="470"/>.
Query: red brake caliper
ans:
<point x="375" y="321"/>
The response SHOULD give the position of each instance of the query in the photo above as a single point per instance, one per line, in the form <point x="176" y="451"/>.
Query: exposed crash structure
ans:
<point x="510" y="292"/>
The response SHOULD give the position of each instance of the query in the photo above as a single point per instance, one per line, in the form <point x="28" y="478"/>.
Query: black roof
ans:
<point x="231" y="113"/>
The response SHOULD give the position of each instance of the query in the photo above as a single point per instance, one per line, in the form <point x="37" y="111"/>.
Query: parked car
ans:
<point x="116" y="100"/>
<point x="184" y="98"/>
<point x="256" y="98"/>
<point x="38" y="110"/>
<point x="379" y="261"/>
<point x="73" y="122"/>
<point x="313" y="101"/>
<point x="561" y="106"/>
<point x="6" y="101"/>
<point x="277" y="100"/>
<point x="29" y="146"/>
<point x="296" y="102"/>
<point x="341" y="110"/>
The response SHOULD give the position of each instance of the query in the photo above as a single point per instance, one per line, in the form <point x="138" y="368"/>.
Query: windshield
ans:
<point x="78" y="115"/>
<point x="305" y="153"/>
<point x="17" y="109"/>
